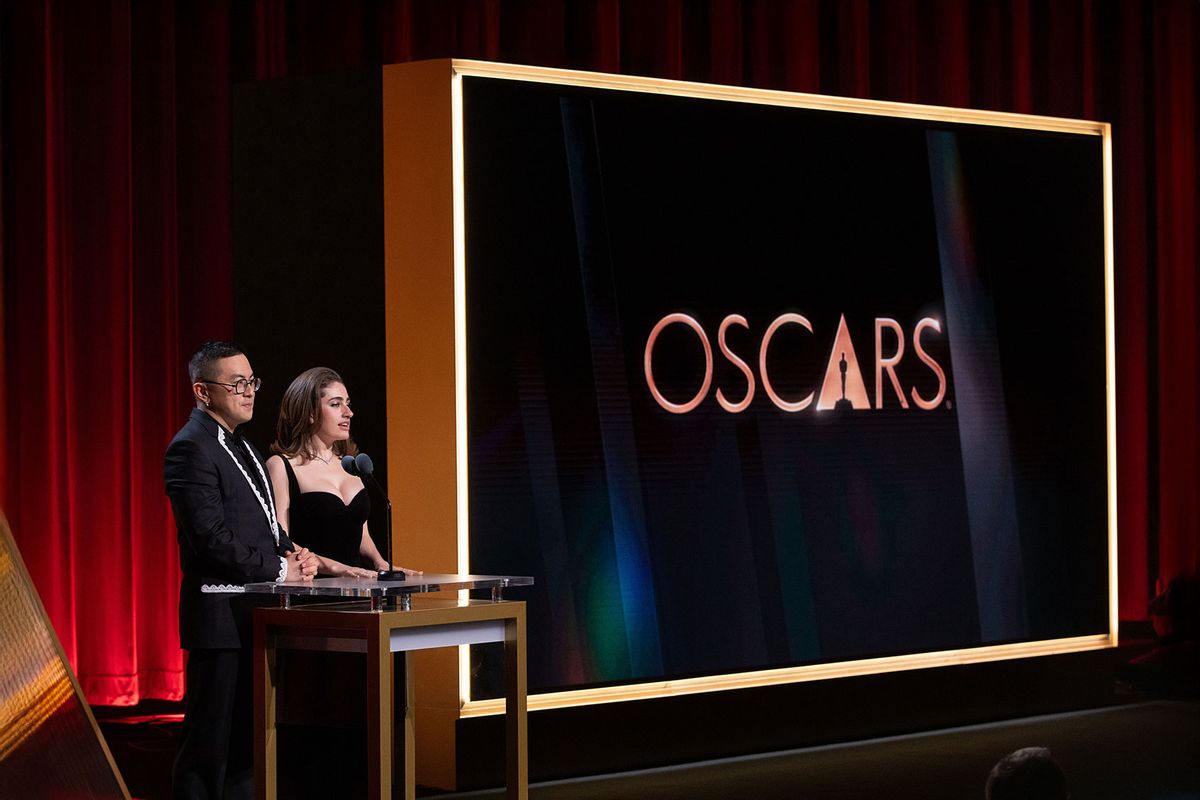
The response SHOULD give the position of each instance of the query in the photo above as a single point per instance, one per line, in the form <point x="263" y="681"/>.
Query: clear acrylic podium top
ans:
<point x="370" y="587"/>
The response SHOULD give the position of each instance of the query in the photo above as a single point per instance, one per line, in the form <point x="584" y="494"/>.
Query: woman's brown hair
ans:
<point x="300" y="414"/>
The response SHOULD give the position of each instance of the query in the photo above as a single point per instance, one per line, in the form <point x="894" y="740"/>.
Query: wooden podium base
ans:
<point x="429" y="622"/>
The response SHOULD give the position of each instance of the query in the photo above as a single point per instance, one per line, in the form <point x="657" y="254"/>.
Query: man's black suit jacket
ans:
<point x="225" y="534"/>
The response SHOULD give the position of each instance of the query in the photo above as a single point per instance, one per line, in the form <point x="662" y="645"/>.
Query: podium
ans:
<point x="380" y="618"/>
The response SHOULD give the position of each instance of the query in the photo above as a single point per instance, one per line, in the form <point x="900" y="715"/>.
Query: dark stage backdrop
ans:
<point x="115" y="208"/>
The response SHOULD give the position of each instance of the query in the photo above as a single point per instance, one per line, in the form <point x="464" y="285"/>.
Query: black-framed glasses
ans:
<point x="240" y="386"/>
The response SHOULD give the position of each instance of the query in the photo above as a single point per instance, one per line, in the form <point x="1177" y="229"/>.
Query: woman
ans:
<point x="316" y="501"/>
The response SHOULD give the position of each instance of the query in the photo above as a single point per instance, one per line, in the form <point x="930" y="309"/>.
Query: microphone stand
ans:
<point x="388" y="574"/>
<point x="361" y="466"/>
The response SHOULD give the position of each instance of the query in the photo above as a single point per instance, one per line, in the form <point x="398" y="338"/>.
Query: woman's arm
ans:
<point x="370" y="552"/>
<point x="336" y="569"/>
<point x="279" y="487"/>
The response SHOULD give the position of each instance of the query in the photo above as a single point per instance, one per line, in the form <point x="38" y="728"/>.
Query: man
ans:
<point x="228" y="537"/>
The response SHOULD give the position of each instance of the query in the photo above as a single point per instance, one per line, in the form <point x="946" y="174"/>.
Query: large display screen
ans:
<point x="754" y="386"/>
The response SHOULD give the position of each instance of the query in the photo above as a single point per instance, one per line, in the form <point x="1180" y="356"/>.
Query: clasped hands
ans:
<point x="301" y="565"/>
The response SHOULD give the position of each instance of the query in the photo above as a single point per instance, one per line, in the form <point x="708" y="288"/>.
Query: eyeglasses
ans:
<point x="240" y="386"/>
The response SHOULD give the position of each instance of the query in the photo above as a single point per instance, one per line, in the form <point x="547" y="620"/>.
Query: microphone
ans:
<point x="362" y="466"/>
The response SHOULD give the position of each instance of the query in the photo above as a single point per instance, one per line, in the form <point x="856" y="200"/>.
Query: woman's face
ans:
<point x="334" y="409"/>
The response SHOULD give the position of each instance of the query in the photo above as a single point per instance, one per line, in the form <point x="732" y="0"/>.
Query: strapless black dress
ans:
<point x="320" y="691"/>
<point x="324" y="524"/>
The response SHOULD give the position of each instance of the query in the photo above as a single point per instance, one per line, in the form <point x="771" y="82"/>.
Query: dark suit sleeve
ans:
<point x="193" y="486"/>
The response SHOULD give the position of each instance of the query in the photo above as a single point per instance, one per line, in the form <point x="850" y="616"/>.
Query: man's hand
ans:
<point x="301" y="565"/>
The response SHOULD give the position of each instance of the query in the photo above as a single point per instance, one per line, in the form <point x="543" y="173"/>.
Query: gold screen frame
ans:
<point x="50" y="743"/>
<point x="425" y="256"/>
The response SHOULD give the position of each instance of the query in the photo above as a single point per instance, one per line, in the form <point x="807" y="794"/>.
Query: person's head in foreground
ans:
<point x="1030" y="773"/>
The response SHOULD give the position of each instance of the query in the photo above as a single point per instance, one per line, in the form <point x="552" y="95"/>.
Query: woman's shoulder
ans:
<point x="279" y="463"/>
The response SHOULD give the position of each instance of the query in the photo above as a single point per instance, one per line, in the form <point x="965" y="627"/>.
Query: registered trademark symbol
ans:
<point x="949" y="404"/>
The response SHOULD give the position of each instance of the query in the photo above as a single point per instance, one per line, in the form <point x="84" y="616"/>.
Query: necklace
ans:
<point x="326" y="460"/>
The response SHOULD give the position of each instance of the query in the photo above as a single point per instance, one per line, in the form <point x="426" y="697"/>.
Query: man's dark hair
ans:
<point x="200" y="364"/>
<point x="1030" y="773"/>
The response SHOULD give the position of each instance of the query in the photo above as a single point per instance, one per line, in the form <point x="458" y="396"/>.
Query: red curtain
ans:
<point x="114" y="132"/>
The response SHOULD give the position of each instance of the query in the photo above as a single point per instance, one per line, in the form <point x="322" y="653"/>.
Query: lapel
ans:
<point x="226" y="444"/>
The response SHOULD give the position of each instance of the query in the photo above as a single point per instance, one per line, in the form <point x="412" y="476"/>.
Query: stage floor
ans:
<point x="1147" y="750"/>
<point x="1131" y="751"/>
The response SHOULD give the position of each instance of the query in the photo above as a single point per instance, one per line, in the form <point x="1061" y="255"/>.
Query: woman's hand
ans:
<point x="382" y="565"/>
<point x="339" y="570"/>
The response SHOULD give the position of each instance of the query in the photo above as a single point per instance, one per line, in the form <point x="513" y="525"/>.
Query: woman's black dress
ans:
<point x="324" y="524"/>
<point x="323" y="690"/>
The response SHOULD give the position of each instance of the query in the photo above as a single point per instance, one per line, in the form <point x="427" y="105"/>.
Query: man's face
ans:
<point x="229" y="408"/>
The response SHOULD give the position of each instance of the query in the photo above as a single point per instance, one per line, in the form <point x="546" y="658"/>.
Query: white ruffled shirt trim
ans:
<point x="267" y="503"/>
<point x="222" y="588"/>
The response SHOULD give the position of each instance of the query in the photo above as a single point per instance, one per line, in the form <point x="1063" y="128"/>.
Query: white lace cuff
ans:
<point x="282" y="570"/>
<point x="221" y="588"/>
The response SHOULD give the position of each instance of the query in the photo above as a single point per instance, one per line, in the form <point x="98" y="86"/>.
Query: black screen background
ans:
<point x="667" y="546"/>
